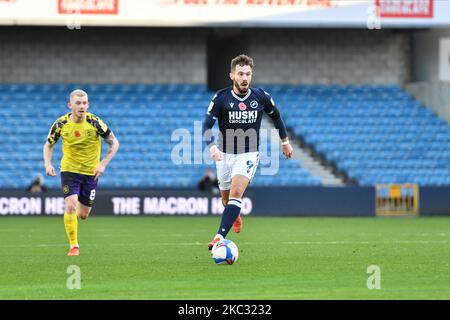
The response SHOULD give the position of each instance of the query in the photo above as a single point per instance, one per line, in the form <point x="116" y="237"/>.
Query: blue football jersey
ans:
<point x="239" y="118"/>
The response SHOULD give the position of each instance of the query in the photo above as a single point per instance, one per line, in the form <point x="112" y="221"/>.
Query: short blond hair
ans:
<point x="78" y="93"/>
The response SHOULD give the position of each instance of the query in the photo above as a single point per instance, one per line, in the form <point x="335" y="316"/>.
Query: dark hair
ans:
<point x="241" y="60"/>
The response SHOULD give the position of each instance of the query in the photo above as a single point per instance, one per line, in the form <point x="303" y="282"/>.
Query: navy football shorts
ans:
<point x="82" y="185"/>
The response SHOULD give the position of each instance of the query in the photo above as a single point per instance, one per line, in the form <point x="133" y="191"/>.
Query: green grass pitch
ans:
<point x="280" y="258"/>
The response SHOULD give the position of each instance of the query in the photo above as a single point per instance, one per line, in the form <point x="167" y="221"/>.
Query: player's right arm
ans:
<point x="48" y="155"/>
<point x="52" y="138"/>
<point x="208" y="122"/>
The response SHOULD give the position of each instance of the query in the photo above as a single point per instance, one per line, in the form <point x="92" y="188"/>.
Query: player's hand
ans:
<point x="50" y="171"/>
<point x="216" y="155"/>
<point x="99" y="171"/>
<point x="287" y="151"/>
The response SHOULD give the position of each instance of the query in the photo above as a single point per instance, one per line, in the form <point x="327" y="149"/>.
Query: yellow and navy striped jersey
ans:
<point x="81" y="144"/>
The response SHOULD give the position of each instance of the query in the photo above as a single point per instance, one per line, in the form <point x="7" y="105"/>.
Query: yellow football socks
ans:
<point x="71" y="225"/>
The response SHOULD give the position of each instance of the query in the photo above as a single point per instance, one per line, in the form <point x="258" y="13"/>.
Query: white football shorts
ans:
<point x="232" y="164"/>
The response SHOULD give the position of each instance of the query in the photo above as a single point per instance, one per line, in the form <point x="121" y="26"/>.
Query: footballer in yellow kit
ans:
<point x="81" y="167"/>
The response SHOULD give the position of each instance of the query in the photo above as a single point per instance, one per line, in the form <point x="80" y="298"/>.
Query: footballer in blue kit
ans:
<point x="239" y="111"/>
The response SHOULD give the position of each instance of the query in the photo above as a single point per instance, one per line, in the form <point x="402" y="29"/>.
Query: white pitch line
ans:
<point x="32" y="245"/>
<point x="241" y="243"/>
<point x="91" y="244"/>
<point x="367" y="242"/>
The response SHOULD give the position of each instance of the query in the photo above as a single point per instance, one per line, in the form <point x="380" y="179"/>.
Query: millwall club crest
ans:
<point x="242" y="106"/>
<point x="254" y="104"/>
<point x="249" y="165"/>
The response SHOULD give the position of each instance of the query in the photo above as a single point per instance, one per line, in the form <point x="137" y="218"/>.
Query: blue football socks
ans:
<point x="229" y="215"/>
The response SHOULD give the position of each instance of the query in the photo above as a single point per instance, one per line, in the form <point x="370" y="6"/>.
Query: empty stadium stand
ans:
<point x="143" y="117"/>
<point x="375" y="134"/>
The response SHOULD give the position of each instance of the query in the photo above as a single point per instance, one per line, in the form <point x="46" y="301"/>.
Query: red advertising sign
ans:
<point x="405" y="8"/>
<point x="88" y="6"/>
<point x="260" y="3"/>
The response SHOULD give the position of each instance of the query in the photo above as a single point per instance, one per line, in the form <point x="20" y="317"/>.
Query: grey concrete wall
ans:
<point x="332" y="56"/>
<point x="434" y="95"/>
<point x="425" y="54"/>
<point x="106" y="55"/>
<point x="302" y="56"/>
<point x="425" y="83"/>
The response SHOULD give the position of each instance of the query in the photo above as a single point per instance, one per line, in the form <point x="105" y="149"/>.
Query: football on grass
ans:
<point x="225" y="252"/>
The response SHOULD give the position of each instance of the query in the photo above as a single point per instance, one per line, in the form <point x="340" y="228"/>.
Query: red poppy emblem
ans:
<point x="77" y="134"/>
<point x="242" y="106"/>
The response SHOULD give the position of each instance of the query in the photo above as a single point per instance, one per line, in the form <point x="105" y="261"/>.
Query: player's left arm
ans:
<point x="274" y="114"/>
<point x="113" y="143"/>
<point x="109" y="137"/>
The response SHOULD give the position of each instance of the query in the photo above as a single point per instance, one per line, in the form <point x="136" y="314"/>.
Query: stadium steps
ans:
<point x="307" y="161"/>
<point x="315" y="168"/>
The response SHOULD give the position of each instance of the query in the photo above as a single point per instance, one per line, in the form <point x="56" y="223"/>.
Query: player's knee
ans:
<point x="83" y="215"/>
<point x="237" y="192"/>
<point x="71" y="207"/>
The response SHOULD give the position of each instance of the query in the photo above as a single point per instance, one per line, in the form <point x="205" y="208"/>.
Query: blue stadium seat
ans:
<point x="377" y="134"/>
<point x="367" y="128"/>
